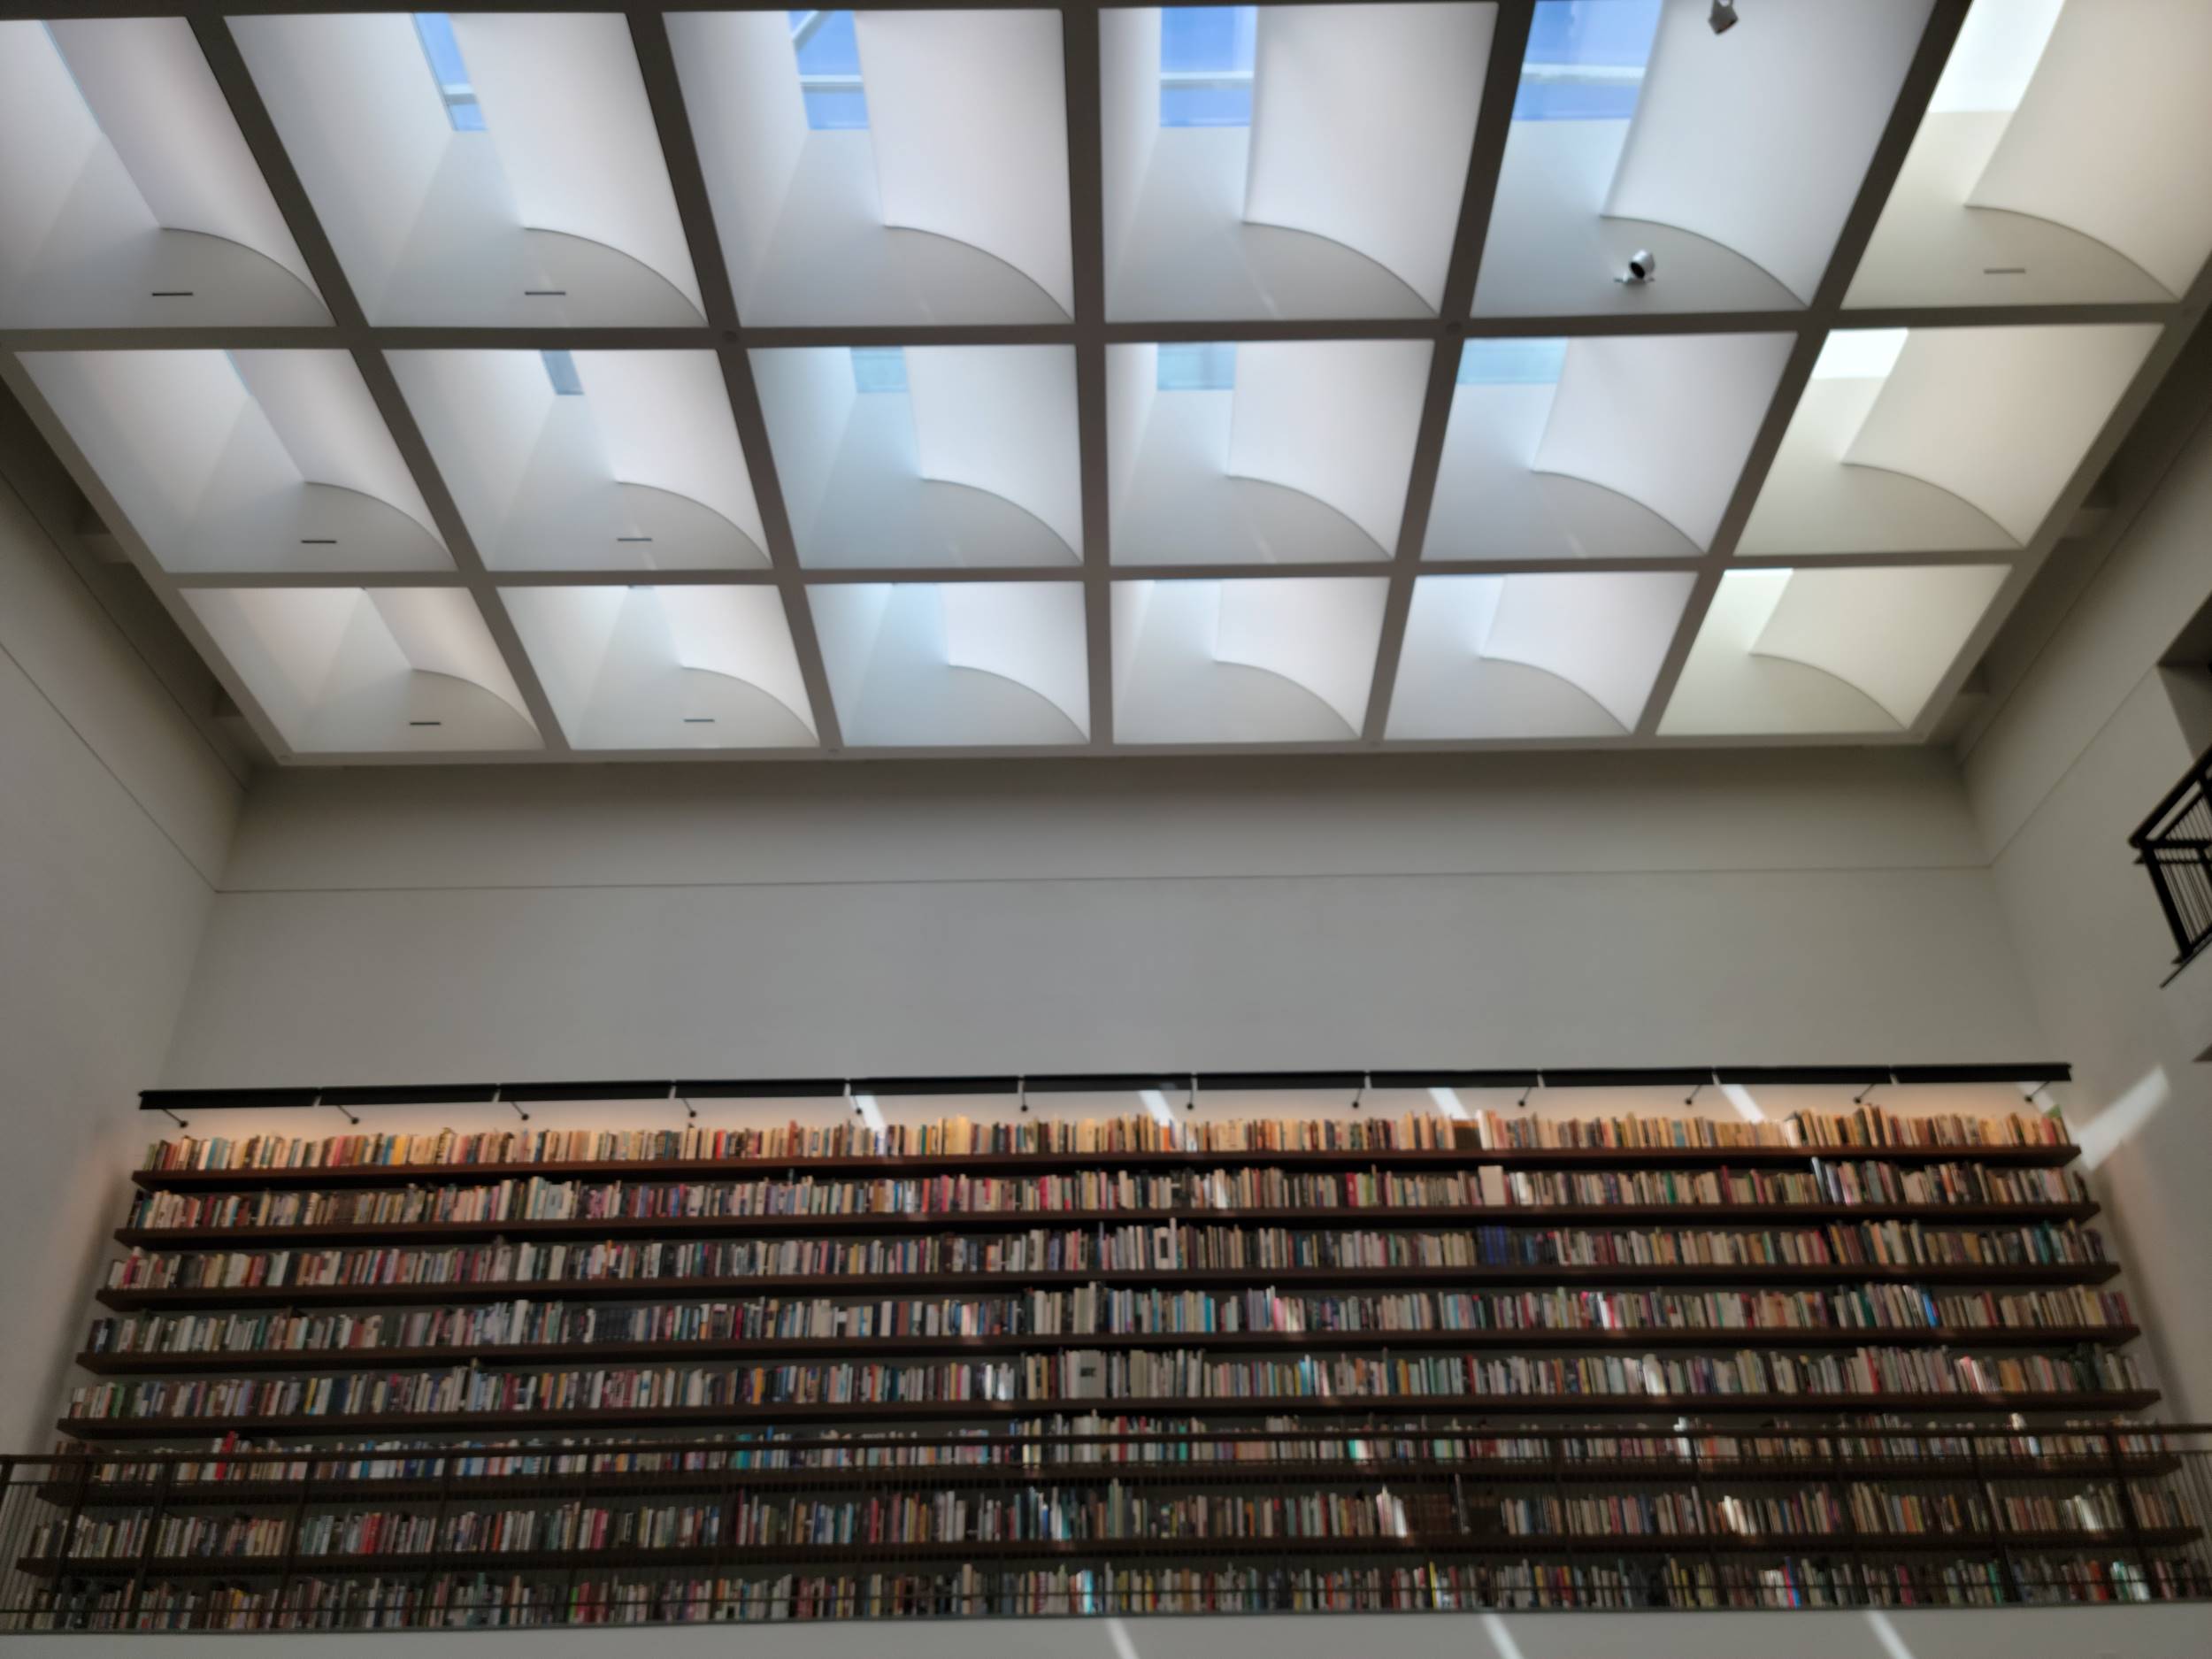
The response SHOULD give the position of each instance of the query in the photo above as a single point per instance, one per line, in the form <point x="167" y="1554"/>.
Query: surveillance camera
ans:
<point x="1642" y="268"/>
<point x="1722" y="16"/>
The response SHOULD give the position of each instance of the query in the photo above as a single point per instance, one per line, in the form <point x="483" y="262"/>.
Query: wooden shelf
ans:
<point x="1214" y="1473"/>
<point x="1487" y="1411"/>
<point x="1754" y="1274"/>
<point x="1386" y="1218"/>
<point x="1051" y="1163"/>
<point x="491" y="1356"/>
<point x="1487" y="1546"/>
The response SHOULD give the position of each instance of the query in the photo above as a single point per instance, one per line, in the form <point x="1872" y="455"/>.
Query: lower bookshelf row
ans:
<point x="448" y="1600"/>
<point x="50" y="1564"/>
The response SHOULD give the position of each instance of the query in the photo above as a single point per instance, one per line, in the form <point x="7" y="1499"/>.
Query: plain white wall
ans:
<point x="2084" y="748"/>
<point x="2171" y="1631"/>
<point x="1508" y="909"/>
<point x="115" y="820"/>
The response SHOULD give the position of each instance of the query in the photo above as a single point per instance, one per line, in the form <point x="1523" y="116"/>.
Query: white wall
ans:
<point x="1570" y="908"/>
<point x="2083" y="749"/>
<point x="115" y="819"/>
<point x="2171" y="1631"/>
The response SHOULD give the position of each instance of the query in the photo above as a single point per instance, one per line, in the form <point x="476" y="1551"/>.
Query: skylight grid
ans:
<point x="969" y="541"/>
<point x="435" y="29"/>
<point x="1206" y="61"/>
<point x="1586" y="60"/>
<point x="827" y="45"/>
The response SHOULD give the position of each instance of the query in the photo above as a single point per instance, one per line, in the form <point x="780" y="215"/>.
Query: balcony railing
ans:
<point x="1367" y="1518"/>
<point x="2174" y="844"/>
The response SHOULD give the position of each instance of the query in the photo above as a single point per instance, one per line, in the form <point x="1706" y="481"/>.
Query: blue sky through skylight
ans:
<point x="1206" y="65"/>
<point x="878" y="368"/>
<point x="1586" y="59"/>
<point x="828" y="51"/>
<point x="434" y="30"/>
<point x="560" y="368"/>
<point x="1511" y="362"/>
<point x="1197" y="366"/>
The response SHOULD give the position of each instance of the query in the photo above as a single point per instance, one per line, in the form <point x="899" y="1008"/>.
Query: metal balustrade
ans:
<point x="2174" y="844"/>
<point x="1326" y="1517"/>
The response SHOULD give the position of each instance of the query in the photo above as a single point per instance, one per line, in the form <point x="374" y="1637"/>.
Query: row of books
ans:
<point x="1091" y="1374"/>
<point x="1108" y="1515"/>
<point x="1863" y="1126"/>
<point x="1121" y="1247"/>
<point x="457" y="1600"/>
<point x="958" y="1136"/>
<point x="1109" y="1441"/>
<point x="1100" y="1309"/>
<point x="535" y="1198"/>
<point x="1115" y="1514"/>
<point x="1861" y="1509"/>
<point x="843" y="1139"/>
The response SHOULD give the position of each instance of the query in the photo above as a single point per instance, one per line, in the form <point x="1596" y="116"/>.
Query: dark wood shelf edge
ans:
<point x="1486" y="1408"/>
<point x="1054" y="1163"/>
<point x="228" y="1364"/>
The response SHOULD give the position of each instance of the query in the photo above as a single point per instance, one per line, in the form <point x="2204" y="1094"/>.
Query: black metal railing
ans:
<point x="1368" y="1519"/>
<point x="2174" y="844"/>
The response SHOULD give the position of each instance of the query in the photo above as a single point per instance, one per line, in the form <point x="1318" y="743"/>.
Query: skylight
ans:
<point x="560" y="368"/>
<point x="1511" y="362"/>
<point x="828" y="50"/>
<point x="1586" y="59"/>
<point x="435" y="29"/>
<point x="1995" y="57"/>
<point x="1206" y="56"/>
<point x="1195" y="366"/>
<point x="878" y="368"/>
<point x="1859" y="353"/>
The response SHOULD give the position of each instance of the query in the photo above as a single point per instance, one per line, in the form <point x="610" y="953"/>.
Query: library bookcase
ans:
<point x="1107" y="1367"/>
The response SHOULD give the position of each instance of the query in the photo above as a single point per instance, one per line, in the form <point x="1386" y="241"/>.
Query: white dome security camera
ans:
<point x="1642" y="268"/>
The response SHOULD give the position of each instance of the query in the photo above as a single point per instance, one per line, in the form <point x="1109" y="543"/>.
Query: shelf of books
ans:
<point x="536" y="1377"/>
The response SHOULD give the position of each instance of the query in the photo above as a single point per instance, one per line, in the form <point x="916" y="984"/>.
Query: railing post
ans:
<point x="1566" y="1521"/>
<point x="2136" y="1540"/>
<point x="437" y="1540"/>
<point x="292" y="1548"/>
<point x="1855" y="1545"/>
<point x="66" y="1541"/>
<point x="2000" y="1532"/>
<point x="129" y="1611"/>
<point x="575" y="1547"/>
<point x="2174" y="923"/>
<point x="1705" y="1525"/>
<point x="722" y="1559"/>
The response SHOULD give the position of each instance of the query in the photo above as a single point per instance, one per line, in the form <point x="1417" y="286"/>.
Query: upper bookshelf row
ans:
<point x="967" y="1145"/>
<point x="911" y="167"/>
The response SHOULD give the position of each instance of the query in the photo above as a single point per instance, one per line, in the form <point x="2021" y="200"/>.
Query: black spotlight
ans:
<point x="1723" y="16"/>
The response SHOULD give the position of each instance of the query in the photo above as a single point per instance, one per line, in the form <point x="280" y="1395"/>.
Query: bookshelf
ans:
<point x="434" y="1324"/>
